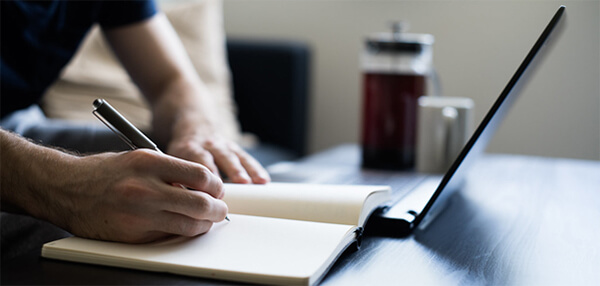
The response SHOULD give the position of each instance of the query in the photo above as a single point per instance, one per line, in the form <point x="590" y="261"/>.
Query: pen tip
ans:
<point x="227" y="218"/>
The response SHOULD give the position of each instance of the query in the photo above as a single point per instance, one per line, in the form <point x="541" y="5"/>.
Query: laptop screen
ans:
<point x="454" y="177"/>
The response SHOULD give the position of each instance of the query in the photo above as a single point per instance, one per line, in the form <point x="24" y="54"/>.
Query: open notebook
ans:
<point x="278" y="234"/>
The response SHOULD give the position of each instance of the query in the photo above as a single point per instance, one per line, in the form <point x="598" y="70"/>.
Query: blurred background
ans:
<point x="478" y="45"/>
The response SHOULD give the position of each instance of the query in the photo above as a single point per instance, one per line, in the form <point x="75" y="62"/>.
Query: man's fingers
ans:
<point x="192" y="151"/>
<point x="227" y="156"/>
<point x="205" y="158"/>
<point x="229" y="163"/>
<point x="189" y="174"/>
<point x="194" y="204"/>
<point x="256" y="171"/>
<point x="174" y="223"/>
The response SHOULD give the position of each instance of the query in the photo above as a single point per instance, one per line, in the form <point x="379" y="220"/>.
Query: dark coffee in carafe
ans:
<point x="395" y="71"/>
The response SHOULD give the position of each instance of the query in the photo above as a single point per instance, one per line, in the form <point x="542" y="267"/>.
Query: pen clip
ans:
<point x="123" y="137"/>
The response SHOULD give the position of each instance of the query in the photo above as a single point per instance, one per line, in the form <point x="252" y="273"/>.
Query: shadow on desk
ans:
<point x="461" y="239"/>
<point x="466" y="236"/>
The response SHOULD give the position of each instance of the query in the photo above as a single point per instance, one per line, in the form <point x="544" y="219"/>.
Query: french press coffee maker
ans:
<point x="396" y="69"/>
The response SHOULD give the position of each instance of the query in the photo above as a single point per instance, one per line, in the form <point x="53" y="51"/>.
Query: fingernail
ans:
<point x="243" y="178"/>
<point x="262" y="178"/>
<point x="266" y="176"/>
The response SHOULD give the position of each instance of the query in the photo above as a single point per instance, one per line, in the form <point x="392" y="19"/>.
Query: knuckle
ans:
<point x="205" y="154"/>
<point x="187" y="146"/>
<point x="143" y="153"/>
<point x="142" y="158"/>
<point x="205" y="177"/>
<point x="210" y="208"/>
<point x="210" y="143"/>
<point x="219" y="190"/>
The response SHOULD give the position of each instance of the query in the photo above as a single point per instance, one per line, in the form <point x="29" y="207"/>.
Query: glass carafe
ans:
<point x="396" y="69"/>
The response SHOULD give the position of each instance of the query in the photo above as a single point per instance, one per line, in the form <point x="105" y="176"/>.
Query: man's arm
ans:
<point x="128" y="196"/>
<point x="183" y="109"/>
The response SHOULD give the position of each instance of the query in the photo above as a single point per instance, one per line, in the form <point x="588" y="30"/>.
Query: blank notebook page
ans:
<point x="246" y="244"/>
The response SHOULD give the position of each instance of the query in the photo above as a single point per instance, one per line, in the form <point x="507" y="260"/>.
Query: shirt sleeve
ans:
<point x="115" y="14"/>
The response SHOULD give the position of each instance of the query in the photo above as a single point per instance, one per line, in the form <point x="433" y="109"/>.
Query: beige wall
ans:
<point x="478" y="46"/>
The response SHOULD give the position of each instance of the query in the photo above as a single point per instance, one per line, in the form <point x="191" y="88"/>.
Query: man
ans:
<point x="132" y="196"/>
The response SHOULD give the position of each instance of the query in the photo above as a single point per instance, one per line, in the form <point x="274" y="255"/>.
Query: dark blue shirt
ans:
<point x="40" y="37"/>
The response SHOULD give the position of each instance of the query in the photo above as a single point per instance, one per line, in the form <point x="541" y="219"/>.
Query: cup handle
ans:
<point x="434" y="85"/>
<point x="450" y="115"/>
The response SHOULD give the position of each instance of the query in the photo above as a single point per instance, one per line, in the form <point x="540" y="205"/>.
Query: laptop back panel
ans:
<point x="419" y="209"/>
<point x="454" y="177"/>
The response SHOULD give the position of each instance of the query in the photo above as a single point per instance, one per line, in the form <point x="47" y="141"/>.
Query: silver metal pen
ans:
<point x="123" y="128"/>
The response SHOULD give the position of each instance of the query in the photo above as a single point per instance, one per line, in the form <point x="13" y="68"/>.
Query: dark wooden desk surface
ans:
<point x="519" y="220"/>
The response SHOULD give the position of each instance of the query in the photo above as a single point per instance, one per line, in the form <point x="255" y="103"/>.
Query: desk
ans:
<point x="519" y="220"/>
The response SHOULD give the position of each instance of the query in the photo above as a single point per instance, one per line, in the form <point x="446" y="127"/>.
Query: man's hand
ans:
<point x="131" y="197"/>
<point x="137" y="197"/>
<point x="219" y="154"/>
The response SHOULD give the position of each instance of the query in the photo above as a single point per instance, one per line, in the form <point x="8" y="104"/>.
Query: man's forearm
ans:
<point x="184" y="113"/>
<point x="160" y="66"/>
<point x="29" y="172"/>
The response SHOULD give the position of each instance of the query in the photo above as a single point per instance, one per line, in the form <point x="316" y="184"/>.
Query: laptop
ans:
<point x="425" y="201"/>
<point x="419" y="198"/>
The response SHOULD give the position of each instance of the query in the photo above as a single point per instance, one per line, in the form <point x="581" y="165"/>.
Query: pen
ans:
<point x="123" y="128"/>
<point x="120" y="126"/>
